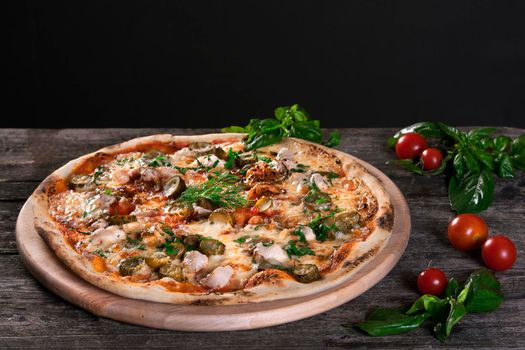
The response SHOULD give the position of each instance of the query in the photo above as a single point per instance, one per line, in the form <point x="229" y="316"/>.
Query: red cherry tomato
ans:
<point x="431" y="158"/>
<point x="467" y="231"/>
<point x="499" y="253"/>
<point x="432" y="281"/>
<point x="410" y="145"/>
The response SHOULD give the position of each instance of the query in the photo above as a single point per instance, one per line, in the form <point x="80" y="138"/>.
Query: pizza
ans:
<point x="201" y="220"/>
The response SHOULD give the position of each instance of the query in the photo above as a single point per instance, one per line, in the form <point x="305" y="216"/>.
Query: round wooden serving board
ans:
<point x="46" y="267"/>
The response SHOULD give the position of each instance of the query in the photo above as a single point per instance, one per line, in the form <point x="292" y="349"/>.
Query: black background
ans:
<point x="215" y="63"/>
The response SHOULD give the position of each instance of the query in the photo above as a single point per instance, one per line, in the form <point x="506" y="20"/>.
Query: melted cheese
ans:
<point x="257" y="239"/>
<point x="104" y="238"/>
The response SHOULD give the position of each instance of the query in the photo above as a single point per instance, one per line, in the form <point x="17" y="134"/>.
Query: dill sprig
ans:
<point x="221" y="189"/>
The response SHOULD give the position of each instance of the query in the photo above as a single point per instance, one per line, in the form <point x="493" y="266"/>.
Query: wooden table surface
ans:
<point x="33" y="317"/>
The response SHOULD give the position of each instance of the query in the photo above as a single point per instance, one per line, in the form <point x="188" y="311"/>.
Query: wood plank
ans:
<point x="16" y="190"/>
<point x="8" y="214"/>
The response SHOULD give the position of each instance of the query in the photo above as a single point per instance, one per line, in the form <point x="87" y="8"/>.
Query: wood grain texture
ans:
<point x="33" y="317"/>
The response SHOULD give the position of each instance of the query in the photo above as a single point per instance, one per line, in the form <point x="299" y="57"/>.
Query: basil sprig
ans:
<point x="471" y="159"/>
<point x="289" y="121"/>
<point x="481" y="293"/>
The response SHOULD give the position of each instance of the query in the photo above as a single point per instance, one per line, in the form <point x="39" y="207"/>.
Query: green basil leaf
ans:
<point x="482" y="292"/>
<point x="307" y="130"/>
<point x="334" y="139"/>
<point x="293" y="121"/>
<point x="263" y="132"/>
<point x="502" y="143"/>
<point x="518" y="152"/>
<point x="427" y="129"/>
<point x="444" y="327"/>
<point x="407" y="164"/>
<point x="472" y="164"/>
<point x="260" y="139"/>
<point x="385" y="314"/>
<point x="299" y="113"/>
<point x="504" y="166"/>
<point x="471" y="194"/>
<point x="233" y="128"/>
<point x="477" y="134"/>
<point x="452" y="288"/>
<point x="452" y="132"/>
<point x="267" y="125"/>
<point x="391" y="321"/>
<point x="482" y="156"/>
<point x="427" y="302"/>
<point x="487" y="143"/>
<point x="294" y="113"/>
<point x="460" y="165"/>
<point x="483" y="300"/>
<point x="281" y="112"/>
<point x="252" y="125"/>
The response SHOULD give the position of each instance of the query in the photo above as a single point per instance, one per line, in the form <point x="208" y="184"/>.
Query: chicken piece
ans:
<point x="273" y="254"/>
<point x="300" y="181"/>
<point x="149" y="175"/>
<point x="308" y="233"/>
<point x="219" y="277"/>
<point x="100" y="223"/>
<point x="195" y="261"/>
<point x="287" y="158"/>
<point x="210" y="160"/>
<point x="122" y="176"/>
<point x="167" y="173"/>
<point x="103" y="202"/>
<point x="319" y="181"/>
<point x="104" y="238"/>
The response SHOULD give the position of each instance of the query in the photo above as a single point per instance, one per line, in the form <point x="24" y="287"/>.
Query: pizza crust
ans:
<point x="264" y="286"/>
